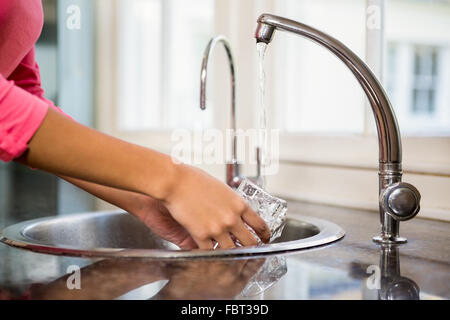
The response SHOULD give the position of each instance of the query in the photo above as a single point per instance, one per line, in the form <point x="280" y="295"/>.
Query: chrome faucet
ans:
<point x="398" y="201"/>
<point x="233" y="177"/>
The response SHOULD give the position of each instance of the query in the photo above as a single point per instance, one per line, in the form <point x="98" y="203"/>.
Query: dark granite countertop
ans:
<point x="342" y="270"/>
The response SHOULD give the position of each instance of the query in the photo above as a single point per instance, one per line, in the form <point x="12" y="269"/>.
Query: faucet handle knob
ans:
<point x="401" y="201"/>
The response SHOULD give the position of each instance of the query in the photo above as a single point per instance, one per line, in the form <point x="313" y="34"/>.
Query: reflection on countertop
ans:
<point x="353" y="268"/>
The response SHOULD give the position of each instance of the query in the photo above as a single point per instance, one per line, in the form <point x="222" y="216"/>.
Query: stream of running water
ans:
<point x="262" y="115"/>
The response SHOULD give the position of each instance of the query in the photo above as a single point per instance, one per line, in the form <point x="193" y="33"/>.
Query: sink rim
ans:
<point x="13" y="236"/>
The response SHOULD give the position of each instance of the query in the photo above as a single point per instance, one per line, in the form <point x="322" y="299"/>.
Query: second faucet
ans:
<point x="233" y="176"/>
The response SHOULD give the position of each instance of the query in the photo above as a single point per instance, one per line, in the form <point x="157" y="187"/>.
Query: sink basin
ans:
<point x="119" y="234"/>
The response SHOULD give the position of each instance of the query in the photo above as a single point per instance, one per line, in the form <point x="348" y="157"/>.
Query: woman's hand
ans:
<point x="211" y="211"/>
<point x="155" y="215"/>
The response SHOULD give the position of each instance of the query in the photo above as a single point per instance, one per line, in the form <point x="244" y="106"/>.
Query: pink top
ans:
<point x="22" y="103"/>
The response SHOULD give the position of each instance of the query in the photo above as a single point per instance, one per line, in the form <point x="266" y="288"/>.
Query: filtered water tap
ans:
<point x="233" y="177"/>
<point x="398" y="201"/>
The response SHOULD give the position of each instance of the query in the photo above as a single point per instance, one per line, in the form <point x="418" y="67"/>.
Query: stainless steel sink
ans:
<point x="119" y="234"/>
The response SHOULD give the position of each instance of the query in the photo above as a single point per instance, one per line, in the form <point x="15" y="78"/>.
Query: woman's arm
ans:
<point x="205" y="207"/>
<point x="64" y="147"/>
<point x="126" y="200"/>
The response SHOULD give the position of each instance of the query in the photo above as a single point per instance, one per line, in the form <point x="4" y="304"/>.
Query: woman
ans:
<point x="180" y="203"/>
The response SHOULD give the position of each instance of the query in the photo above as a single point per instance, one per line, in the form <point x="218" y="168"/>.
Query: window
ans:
<point x="140" y="57"/>
<point x="160" y="47"/>
<point x="318" y="94"/>
<point x="424" y="80"/>
<point x="414" y="77"/>
<point x="327" y="130"/>
<point x="417" y="69"/>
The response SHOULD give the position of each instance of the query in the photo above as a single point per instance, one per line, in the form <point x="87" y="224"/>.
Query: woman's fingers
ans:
<point x="257" y="224"/>
<point x="225" y="241"/>
<point x="204" y="244"/>
<point x="239" y="230"/>
<point x="188" y="243"/>
<point x="245" y="237"/>
<point x="222" y="241"/>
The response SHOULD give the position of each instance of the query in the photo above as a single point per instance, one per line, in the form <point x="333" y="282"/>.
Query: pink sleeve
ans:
<point x="21" y="114"/>
<point x="22" y="108"/>
<point x="28" y="77"/>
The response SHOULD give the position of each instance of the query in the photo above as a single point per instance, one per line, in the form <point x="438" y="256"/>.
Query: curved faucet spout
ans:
<point x="388" y="132"/>
<point x="203" y="77"/>
<point x="233" y="177"/>
<point x="233" y="167"/>
<point x="398" y="201"/>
